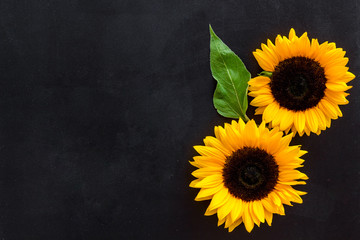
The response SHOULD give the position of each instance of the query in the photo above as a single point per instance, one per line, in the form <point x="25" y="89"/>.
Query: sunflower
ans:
<point x="303" y="83"/>
<point x="248" y="172"/>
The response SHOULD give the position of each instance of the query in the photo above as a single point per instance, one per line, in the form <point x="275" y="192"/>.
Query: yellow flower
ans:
<point x="304" y="84"/>
<point x="248" y="173"/>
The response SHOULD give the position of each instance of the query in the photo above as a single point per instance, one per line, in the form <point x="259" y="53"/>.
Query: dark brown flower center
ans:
<point x="298" y="83"/>
<point x="250" y="173"/>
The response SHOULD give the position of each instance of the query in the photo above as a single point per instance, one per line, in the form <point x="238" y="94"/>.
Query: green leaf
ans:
<point x="230" y="96"/>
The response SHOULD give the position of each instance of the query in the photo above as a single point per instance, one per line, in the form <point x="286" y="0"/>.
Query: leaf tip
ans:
<point x="212" y="33"/>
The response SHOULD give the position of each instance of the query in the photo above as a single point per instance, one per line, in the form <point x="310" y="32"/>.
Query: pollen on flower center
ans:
<point x="250" y="173"/>
<point x="298" y="83"/>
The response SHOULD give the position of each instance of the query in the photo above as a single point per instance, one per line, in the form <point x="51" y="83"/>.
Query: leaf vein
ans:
<point x="232" y="82"/>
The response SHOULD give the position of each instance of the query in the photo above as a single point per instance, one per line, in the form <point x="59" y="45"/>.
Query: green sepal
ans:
<point x="266" y="74"/>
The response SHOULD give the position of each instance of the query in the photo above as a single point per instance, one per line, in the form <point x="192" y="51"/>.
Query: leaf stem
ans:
<point x="246" y="118"/>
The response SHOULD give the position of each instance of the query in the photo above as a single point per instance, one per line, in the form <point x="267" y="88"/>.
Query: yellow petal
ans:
<point x="294" y="194"/>
<point x="338" y="87"/>
<point x="259" y="110"/>
<point x="299" y="121"/>
<point x="194" y="182"/>
<point x="215" y="143"/>
<point x="265" y="90"/>
<point x="235" y="224"/>
<point x="321" y="118"/>
<point x="238" y="209"/>
<point x="268" y="204"/>
<point x="220" y="134"/>
<point x="259" y="210"/>
<point x="278" y="117"/>
<point x="195" y="164"/>
<point x="210" y="181"/>
<point x="287" y="120"/>
<point x="253" y="215"/>
<point x="336" y="72"/>
<point x="311" y="120"/>
<point x="293" y="183"/>
<point x="331" y="46"/>
<point x="270" y="45"/>
<point x="328" y="109"/>
<point x="336" y="53"/>
<point x="314" y="49"/>
<point x="219" y="199"/>
<point x="300" y="192"/>
<point x="275" y="199"/>
<point x="221" y="221"/>
<point x="292" y="34"/>
<point x="273" y="144"/>
<point x="208" y="192"/>
<point x="241" y="124"/>
<point x="282" y="47"/>
<point x="209" y="151"/>
<point x="304" y="45"/>
<point x="225" y="209"/>
<point x="228" y="221"/>
<point x="281" y="210"/>
<point x="268" y="217"/>
<point x="292" y="175"/>
<point x="206" y="171"/>
<point x="234" y="137"/>
<point x="285" y="141"/>
<point x="284" y="198"/>
<point x="262" y="100"/>
<point x="205" y="161"/>
<point x="270" y="112"/>
<point x="348" y="77"/>
<point x="259" y="81"/>
<point x="248" y="222"/>
<point x="251" y="134"/>
<point x="328" y="122"/>
<point x="336" y="97"/>
<point x="209" y="212"/>
<point x="272" y="56"/>
<point x="264" y="61"/>
<point x="330" y="55"/>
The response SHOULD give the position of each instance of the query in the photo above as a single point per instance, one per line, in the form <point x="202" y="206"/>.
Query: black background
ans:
<point x="102" y="101"/>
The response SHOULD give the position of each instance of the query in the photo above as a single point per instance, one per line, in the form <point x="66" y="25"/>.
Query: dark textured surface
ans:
<point x="101" y="102"/>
